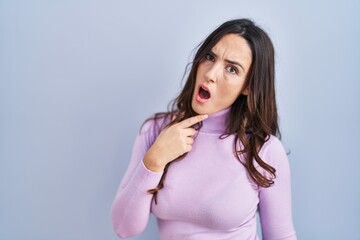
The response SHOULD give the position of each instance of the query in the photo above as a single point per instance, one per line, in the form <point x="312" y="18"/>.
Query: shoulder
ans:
<point x="157" y="120"/>
<point x="153" y="125"/>
<point x="272" y="143"/>
<point x="273" y="151"/>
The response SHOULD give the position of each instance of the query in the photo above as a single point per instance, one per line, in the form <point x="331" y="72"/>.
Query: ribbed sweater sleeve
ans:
<point x="131" y="207"/>
<point x="275" y="201"/>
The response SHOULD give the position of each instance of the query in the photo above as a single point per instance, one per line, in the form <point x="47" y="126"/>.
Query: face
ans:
<point x="221" y="75"/>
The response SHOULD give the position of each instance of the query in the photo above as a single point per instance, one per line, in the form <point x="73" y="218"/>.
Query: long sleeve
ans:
<point x="275" y="201"/>
<point x="131" y="207"/>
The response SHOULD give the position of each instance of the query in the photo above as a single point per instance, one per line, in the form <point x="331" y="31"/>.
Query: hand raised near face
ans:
<point x="171" y="143"/>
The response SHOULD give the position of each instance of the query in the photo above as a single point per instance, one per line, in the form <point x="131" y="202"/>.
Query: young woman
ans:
<point x="206" y="167"/>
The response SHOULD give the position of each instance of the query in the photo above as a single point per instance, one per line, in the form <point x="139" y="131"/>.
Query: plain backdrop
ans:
<point x="78" y="78"/>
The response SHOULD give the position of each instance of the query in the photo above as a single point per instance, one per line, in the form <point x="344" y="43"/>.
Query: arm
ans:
<point x="131" y="207"/>
<point x="275" y="201"/>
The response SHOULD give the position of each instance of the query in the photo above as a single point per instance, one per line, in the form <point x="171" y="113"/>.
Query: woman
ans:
<point x="223" y="133"/>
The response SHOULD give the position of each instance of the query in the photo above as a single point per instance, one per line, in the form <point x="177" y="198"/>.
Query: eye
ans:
<point x="209" y="57"/>
<point x="232" y="70"/>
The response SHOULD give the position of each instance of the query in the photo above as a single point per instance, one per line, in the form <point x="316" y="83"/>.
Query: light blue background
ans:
<point x="79" y="77"/>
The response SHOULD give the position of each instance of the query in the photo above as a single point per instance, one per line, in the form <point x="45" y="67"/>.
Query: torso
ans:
<point x="208" y="189"/>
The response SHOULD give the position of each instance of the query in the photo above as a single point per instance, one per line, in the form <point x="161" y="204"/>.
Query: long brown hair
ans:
<point x="253" y="118"/>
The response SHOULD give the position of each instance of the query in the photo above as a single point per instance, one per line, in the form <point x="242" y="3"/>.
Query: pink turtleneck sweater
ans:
<point x="208" y="194"/>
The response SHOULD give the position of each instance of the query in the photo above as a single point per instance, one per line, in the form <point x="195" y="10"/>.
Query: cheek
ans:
<point x="230" y="91"/>
<point x="201" y="70"/>
<point x="198" y="76"/>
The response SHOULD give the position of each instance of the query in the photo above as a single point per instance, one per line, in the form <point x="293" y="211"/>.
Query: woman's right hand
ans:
<point x="171" y="143"/>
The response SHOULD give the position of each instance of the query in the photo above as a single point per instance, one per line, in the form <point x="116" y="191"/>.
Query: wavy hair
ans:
<point x="253" y="118"/>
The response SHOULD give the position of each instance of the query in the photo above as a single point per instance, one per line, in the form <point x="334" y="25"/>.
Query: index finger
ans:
<point x="192" y="120"/>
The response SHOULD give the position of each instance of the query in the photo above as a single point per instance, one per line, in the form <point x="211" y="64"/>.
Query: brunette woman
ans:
<point x="206" y="167"/>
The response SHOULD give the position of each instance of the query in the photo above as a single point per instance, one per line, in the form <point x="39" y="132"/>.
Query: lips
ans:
<point x="203" y="94"/>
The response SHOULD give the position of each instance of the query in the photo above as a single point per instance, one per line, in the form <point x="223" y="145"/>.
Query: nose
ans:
<point x="213" y="73"/>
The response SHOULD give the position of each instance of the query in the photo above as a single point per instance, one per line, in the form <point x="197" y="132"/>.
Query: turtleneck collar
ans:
<point x="216" y="122"/>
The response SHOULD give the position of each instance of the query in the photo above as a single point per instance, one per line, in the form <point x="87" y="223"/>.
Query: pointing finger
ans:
<point x="191" y="121"/>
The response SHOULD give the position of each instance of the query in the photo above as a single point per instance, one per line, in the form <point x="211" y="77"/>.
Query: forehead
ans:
<point x="234" y="48"/>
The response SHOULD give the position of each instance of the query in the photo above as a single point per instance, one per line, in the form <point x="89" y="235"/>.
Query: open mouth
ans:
<point x="204" y="92"/>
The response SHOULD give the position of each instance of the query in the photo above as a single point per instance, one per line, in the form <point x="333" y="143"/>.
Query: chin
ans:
<point x="201" y="109"/>
<point x="197" y="109"/>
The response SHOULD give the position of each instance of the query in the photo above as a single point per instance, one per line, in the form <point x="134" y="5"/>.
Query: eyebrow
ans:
<point x="229" y="61"/>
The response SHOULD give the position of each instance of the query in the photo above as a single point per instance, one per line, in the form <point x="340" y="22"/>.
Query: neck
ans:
<point x="216" y="122"/>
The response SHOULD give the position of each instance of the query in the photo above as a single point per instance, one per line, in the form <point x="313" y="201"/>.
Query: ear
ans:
<point x="246" y="91"/>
